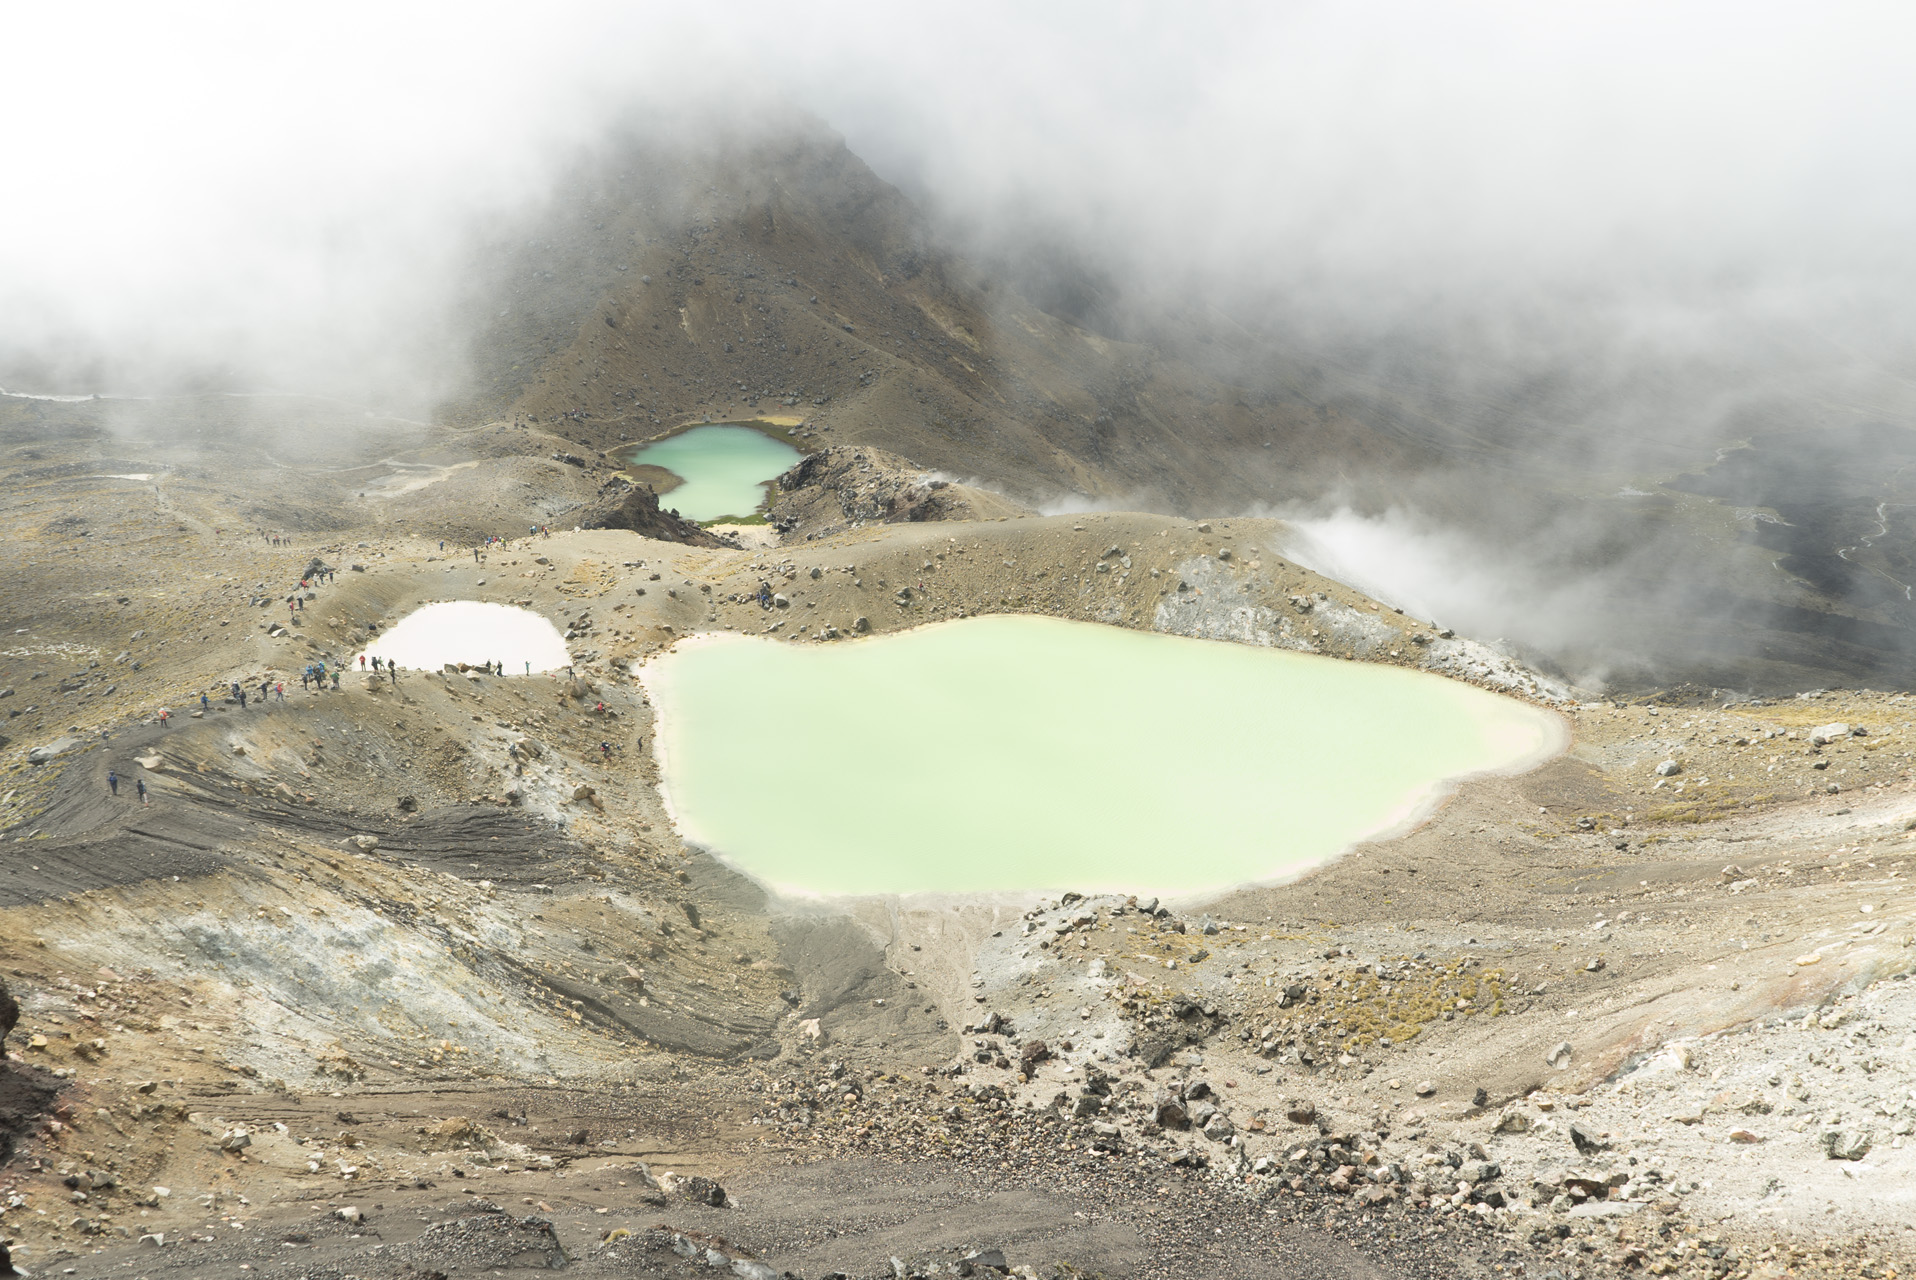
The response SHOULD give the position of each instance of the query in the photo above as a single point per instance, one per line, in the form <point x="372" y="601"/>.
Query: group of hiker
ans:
<point x="492" y="540"/>
<point x="387" y="665"/>
<point x="113" y="784"/>
<point x="316" y="672"/>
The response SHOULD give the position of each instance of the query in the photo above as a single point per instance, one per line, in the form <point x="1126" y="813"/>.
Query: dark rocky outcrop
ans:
<point x="843" y="485"/>
<point x="25" y="1094"/>
<point x="621" y="504"/>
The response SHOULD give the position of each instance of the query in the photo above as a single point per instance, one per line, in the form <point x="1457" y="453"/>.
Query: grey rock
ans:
<point x="1846" y="1144"/>
<point x="980" y="1260"/>
<point x="487" y="1241"/>
<point x="1586" y="1141"/>
<point x="59" y="746"/>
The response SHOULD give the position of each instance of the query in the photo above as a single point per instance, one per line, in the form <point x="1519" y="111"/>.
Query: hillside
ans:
<point x="663" y="284"/>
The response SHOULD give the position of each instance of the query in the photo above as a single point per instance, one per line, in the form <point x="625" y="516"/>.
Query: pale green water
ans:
<point x="724" y="467"/>
<point x="1006" y="753"/>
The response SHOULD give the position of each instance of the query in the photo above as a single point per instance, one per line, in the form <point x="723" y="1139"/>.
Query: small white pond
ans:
<point x="472" y="632"/>
<point x="1023" y="753"/>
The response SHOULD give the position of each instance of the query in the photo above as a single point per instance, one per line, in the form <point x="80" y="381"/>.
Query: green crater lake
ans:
<point x="1025" y="753"/>
<point x="724" y="468"/>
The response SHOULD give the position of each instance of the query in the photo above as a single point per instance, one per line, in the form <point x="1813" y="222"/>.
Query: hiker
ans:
<point x="279" y="691"/>
<point x="265" y="687"/>
<point x="242" y="699"/>
<point x="113" y="782"/>
<point x="335" y="679"/>
<point x="376" y="663"/>
<point x="305" y="675"/>
<point x="392" y="673"/>
<point x="528" y="668"/>
<point x="362" y="662"/>
<point x="163" y="715"/>
<point x="605" y="750"/>
<point x="206" y="703"/>
<point x="475" y="555"/>
<point x="236" y="690"/>
<point x="140" y="785"/>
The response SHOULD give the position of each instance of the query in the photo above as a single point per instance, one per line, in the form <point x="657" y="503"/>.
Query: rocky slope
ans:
<point x="362" y="952"/>
<point x="749" y="276"/>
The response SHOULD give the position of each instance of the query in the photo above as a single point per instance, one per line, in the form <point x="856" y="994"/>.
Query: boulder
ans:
<point x="9" y="1012"/>
<point x="699" y="1190"/>
<point x="59" y="746"/>
<point x="486" y="1241"/>
<point x="1846" y="1144"/>
<point x="1824" y="734"/>
<point x="621" y="504"/>
<point x="1512" y="1121"/>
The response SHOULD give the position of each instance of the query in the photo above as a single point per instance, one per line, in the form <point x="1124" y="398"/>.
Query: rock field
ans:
<point x="411" y="976"/>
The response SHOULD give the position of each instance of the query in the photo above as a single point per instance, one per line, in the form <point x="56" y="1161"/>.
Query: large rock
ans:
<point x="485" y="1241"/>
<point x="843" y="485"/>
<point x="1824" y="734"/>
<point x="9" y="1012"/>
<point x="59" y="746"/>
<point x="621" y="504"/>
<point x="1846" y="1144"/>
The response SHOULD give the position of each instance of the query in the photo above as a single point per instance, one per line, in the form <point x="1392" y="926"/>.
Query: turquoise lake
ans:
<point x="724" y="466"/>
